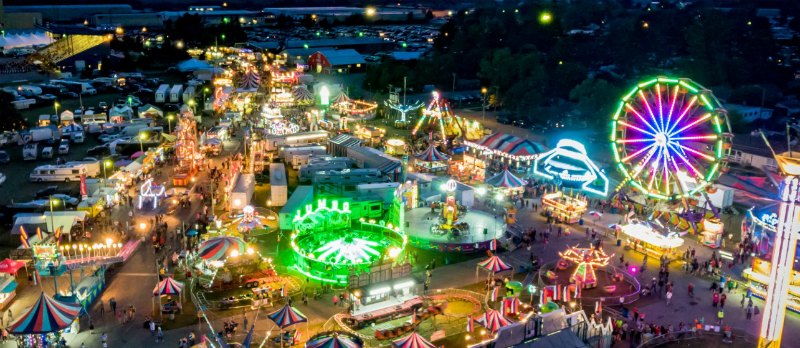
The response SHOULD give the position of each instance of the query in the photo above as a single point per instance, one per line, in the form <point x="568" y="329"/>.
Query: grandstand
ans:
<point x="69" y="41"/>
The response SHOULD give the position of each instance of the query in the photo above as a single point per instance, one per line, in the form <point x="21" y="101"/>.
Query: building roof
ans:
<point x="403" y="55"/>
<point x="265" y="45"/>
<point x="301" y="52"/>
<point x="345" y="41"/>
<point x="342" y="57"/>
<point x="753" y="144"/>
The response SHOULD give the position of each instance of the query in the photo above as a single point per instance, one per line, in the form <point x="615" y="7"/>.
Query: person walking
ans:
<point x="669" y="296"/>
<point x="748" y="313"/>
<point x="722" y="300"/>
<point x="720" y="316"/>
<point x="152" y="328"/>
<point x="113" y="304"/>
<point x="159" y="335"/>
<point x="714" y="299"/>
<point x="102" y="309"/>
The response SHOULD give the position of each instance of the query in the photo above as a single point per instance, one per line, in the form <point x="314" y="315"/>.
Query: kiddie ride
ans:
<point x="451" y="212"/>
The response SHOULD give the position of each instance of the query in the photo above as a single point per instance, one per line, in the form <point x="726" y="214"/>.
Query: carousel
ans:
<point x="352" y="109"/>
<point x="431" y="160"/>
<point x="251" y="222"/>
<point x="499" y="150"/>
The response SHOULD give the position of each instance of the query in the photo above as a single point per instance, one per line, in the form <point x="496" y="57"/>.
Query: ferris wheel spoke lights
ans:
<point x="660" y="120"/>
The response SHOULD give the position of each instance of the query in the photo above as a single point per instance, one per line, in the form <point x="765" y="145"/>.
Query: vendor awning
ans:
<point x="10" y="287"/>
<point x="45" y="316"/>
<point x="10" y="266"/>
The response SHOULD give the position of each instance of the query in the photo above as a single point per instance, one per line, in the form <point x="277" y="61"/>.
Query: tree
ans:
<point x="11" y="118"/>
<point x="596" y="99"/>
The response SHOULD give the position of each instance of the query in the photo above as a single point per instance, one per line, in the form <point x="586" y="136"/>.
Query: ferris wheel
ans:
<point x="670" y="138"/>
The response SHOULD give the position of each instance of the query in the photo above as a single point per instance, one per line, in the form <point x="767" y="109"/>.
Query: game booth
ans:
<point x="566" y="208"/>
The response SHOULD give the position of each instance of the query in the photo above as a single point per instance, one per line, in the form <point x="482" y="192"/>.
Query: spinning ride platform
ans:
<point x="476" y="230"/>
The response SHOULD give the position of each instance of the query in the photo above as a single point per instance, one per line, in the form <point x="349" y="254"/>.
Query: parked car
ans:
<point x="70" y="95"/>
<point x="103" y="106"/>
<point x="2" y="178"/>
<point x="46" y="192"/>
<point x="99" y="151"/>
<point x="63" y="148"/>
<point x="67" y="199"/>
<point x="105" y="138"/>
<point x="4" y="158"/>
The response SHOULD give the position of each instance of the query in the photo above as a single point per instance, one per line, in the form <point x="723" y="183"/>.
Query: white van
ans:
<point x="47" y="152"/>
<point x="64" y="173"/>
<point x="63" y="148"/>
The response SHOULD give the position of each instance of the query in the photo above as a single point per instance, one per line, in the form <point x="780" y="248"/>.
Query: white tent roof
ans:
<point x="124" y="110"/>
<point x="149" y="109"/>
<point x="67" y="115"/>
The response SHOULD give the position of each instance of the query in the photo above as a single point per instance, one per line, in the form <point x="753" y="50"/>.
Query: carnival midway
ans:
<point x="281" y="210"/>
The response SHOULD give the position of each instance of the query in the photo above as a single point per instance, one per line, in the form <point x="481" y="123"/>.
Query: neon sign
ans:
<point x="569" y="163"/>
<point x="770" y="219"/>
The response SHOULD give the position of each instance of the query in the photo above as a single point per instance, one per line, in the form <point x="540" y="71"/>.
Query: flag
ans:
<point x="503" y="308"/>
<point x="414" y="317"/>
<point x="39" y="234"/>
<point x="57" y="235"/>
<point x="470" y="324"/>
<point x="493" y="245"/>
<point x="598" y="307"/>
<point x="566" y="294"/>
<point x="84" y="191"/>
<point x="23" y="237"/>
<point x="283" y="290"/>
<point x="249" y="337"/>
<point x="494" y="293"/>
<point x="577" y="293"/>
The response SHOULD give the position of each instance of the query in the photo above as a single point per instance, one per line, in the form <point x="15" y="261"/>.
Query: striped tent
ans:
<point x="414" y="340"/>
<point x="494" y="264"/>
<point x="506" y="180"/>
<point x="168" y="286"/>
<point x="492" y="320"/>
<point x="45" y="316"/>
<point x="334" y="340"/>
<point x="431" y="154"/>
<point x="250" y="80"/>
<point x="510" y="144"/>
<point x="301" y="94"/>
<point x="219" y="248"/>
<point x="287" y="316"/>
<point x="342" y="98"/>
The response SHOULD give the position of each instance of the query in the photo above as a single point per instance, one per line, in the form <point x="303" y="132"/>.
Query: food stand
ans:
<point x="711" y="235"/>
<point x="566" y="208"/>
<point x="396" y="147"/>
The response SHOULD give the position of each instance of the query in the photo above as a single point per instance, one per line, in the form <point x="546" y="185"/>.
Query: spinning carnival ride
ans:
<point x="438" y="115"/>
<point x="670" y="138"/>
<point x="586" y="259"/>
<point x="329" y="246"/>
<point x="186" y="150"/>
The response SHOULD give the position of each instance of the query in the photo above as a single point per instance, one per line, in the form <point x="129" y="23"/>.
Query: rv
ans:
<point x="175" y="94"/>
<point x="76" y="86"/>
<point x="278" y="185"/>
<point x="91" y="166"/>
<point x="29" y="91"/>
<point x="318" y="164"/>
<point x="65" y="172"/>
<point x="30" y="152"/>
<point x="188" y="94"/>
<point x="274" y="143"/>
<point x="161" y="93"/>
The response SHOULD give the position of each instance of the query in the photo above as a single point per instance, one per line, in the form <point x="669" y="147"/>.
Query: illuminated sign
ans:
<point x="450" y="186"/>
<point x="770" y="219"/>
<point x="569" y="163"/>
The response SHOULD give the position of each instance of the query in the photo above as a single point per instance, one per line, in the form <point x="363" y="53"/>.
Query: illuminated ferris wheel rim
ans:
<point x="667" y="132"/>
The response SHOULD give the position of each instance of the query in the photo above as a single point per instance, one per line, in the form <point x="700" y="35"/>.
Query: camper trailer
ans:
<point x="175" y="94"/>
<point x="66" y="172"/>
<point x="30" y="152"/>
<point x="161" y="93"/>
<point x="188" y="94"/>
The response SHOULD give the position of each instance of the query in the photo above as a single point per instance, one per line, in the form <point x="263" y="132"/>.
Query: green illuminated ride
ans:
<point x="329" y="246"/>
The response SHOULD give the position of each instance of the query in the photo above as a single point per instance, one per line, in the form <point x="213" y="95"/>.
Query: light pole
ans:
<point x="55" y="106"/>
<point x="141" y="138"/>
<point x="106" y="163"/>
<point x="169" y="123"/>
<point x="484" y="91"/>
<point x="52" y="221"/>
<point x="205" y="91"/>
